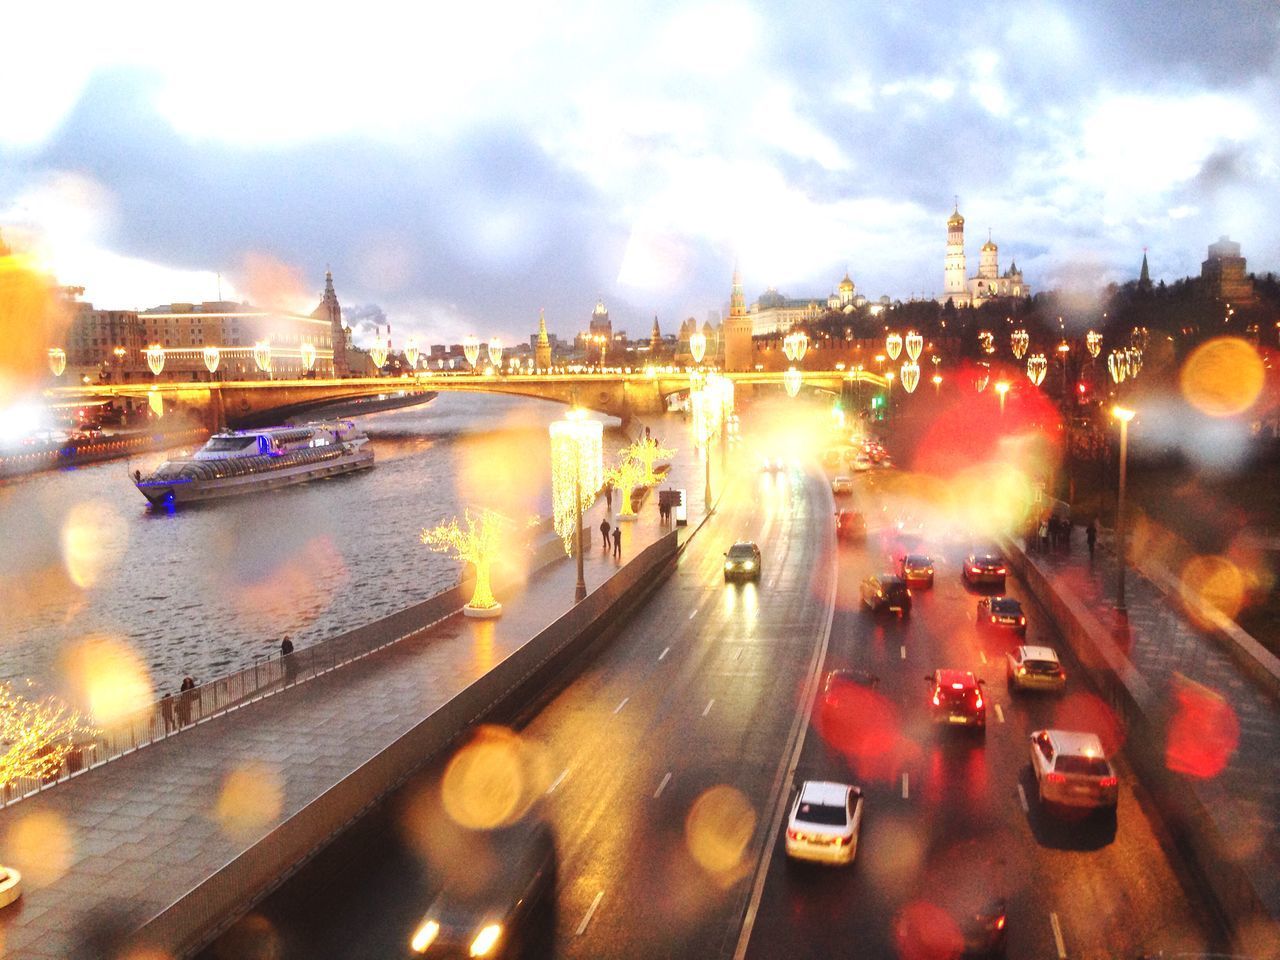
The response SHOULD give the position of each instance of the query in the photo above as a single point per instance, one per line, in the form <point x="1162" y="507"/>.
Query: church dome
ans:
<point x="955" y="220"/>
<point x="846" y="283"/>
<point x="988" y="246"/>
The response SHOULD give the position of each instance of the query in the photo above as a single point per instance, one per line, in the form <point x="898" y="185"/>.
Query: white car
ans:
<point x="842" y="486"/>
<point x="824" y="823"/>
<point x="862" y="462"/>
<point x="1034" y="668"/>
<point x="1072" y="770"/>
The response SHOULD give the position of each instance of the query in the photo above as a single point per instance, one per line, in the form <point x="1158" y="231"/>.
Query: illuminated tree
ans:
<point x="475" y="543"/>
<point x="625" y="477"/>
<point x="36" y="736"/>
<point x="647" y="451"/>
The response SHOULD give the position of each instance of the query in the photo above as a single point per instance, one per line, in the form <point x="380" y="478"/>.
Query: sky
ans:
<point x="460" y="167"/>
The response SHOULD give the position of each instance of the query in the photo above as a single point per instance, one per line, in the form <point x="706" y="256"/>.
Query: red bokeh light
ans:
<point x="1203" y="733"/>
<point x="924" y="931"/>
<point x="1086" y="713"/>
<point x="864" y="727"/>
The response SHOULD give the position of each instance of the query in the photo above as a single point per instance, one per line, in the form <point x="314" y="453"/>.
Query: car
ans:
<point x="862" y="462"/>
<point x="842" y="486"/>
<point x="916" y="568"/>
<point x="742" y="561"/>
<point x="982" y="568"/>
<point x="1001" y="613"/>
<point x="850" y="525"/>
<point x="493" y="912"/>
<point x="1034" y="668"/>
<point x="1071" y="770"/>
<point x="771" y="464"/>
<point x="886" y="591"/>
<point x="956" y="698"/>
<point x="985" y="930"/>
<point x="824" y="822"/>
<point x="834" y="679"/>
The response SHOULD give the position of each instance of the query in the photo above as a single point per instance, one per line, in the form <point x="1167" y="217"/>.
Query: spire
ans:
<point x="737" y="300"/>
<point x="1144" y="278"/>
<point x="656" y="334"/>
<point x="542" y="327"/>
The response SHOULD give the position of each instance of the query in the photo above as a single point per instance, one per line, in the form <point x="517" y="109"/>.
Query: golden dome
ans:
<point x="988" y="246"/>
<point x="955" y="220"/>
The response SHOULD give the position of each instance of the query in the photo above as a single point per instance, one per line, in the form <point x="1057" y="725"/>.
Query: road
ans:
<point x="703" y="689"/>
<point x="953" y="817"/>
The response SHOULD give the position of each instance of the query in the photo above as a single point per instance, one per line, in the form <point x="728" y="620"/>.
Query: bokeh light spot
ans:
<point x="717" y="830"/>
<point x="251" y="799"/>
<point x="1223" y="377"/>
<point x="924" y="931"/>
<point x="493" y="780"/>
<point x="107" y="679"/>
<point x="1203" y="732"/>
<point x="1215" y="582"/>
<point x="94" y="537"/>
<point x="41" y="846"/>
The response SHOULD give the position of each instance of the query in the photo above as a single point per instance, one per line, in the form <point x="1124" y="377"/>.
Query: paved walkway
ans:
<point x="107" y="850"/>
<point x="1245" y="796"/>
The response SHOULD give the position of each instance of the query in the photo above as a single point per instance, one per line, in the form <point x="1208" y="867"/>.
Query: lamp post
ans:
<point x="1124" y="415"/>
<point x="575" y="448"/>
<point x="1002" y="388"/>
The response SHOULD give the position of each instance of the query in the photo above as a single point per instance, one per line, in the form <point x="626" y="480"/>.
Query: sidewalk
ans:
<point x="1243" y="797"/>
<point x="108" y="850"/>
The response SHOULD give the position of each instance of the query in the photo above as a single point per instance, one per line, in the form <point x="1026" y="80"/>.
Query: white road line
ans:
<point x="906" y="791"/>
<point x="591" y="911"/>
<point x="983" y="655"/>
<point x="558" y="780"/>
<point x="739" y="654"/>
<point x="708" y="707"/>
<point x="1022" y="799"/>
<point x="662" y="786"/>
<point x="663" y="654"/>
<point x="999" y="713"/>
<point x="694" y="613"/>
<point x="903" y="650"/>
<point x="1057" y="937"/>
<point x="621" y="705"/>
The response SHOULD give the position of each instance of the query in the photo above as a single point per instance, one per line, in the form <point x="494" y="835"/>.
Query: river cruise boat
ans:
<point x="247" y="461"/>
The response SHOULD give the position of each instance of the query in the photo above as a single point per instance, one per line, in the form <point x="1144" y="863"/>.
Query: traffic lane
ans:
<point x="697" y="693"/>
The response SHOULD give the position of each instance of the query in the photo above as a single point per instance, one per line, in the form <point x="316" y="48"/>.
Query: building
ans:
<point x="775" y="313"/>
<point x="106" y="345"/>
<point x="989" y="283"/>
<point x="542" y="345"/>
<point x="1223" y="272"/>
<point x="600" y="325"/>
<point x="738" y="329"/>
<point x="330" y="311"/>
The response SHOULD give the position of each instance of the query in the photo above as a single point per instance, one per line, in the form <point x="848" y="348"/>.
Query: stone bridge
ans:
<point x="256" y="402"/>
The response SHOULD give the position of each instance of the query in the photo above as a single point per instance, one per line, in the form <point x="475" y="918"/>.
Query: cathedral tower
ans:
<point x="331" y="311"/>
<point x="989" y="261"/>
<point x="953" y="275"/>
<point x="737" y="329"/>
<point x="542" y="349"/>
<point x="655" y="339"/>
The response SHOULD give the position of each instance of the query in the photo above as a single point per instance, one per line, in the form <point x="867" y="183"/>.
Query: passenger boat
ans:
<point x="245" y="461"/>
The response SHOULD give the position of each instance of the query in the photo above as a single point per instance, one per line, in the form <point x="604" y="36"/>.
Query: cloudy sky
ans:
<point x="461" y="168"/>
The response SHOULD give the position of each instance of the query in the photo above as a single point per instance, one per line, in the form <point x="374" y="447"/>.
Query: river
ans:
<point x="206" y="589"/>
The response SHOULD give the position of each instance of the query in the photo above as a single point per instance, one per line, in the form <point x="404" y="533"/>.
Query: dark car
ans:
<point x="1002" y="613"/>
<point x="983" y="569"/>
<point x="851" y="525"/>
<point x="742" y="562"/>
<point x="956" y="698"/>
<point x="916" y="568"/>
<point x="985" y="930"/>
<point x="498" y="896"/>
<point x="886" y="591"/>
<point x="834" y="679"/>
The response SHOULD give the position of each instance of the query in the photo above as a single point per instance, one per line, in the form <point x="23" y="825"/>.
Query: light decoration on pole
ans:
<point x="983" y="376"/>
<point x="697" y="345"/>
<point x="910" y="376"/>
<point x="1037" y="367"/>
<point x="893" y="345"/>
<point x="625" y="477"/>
<point x="914" y="344"/>
<point x="262" y="355"/>
<point x="1020" y="340"/>
<point x="577" y="446"/>
<point x="648" y="451"/>
<point x="212" y="356"/>
<point x="471" y="350"/>
<point x="1117" y="366"/>
<point x="411" y="352"/>
<point x="1138" y="338"/>
<point x="1133" y="361"/>
<point x="57" y="360"/>
<point x="495" y="352"/>
<point x="378" y="352"/>
<point x="37" y="736"/>
<point x="795" y="345"/>
<point x="1093" y="341"/>
<point x="987" y="340"/>
<point x="792" y="380"/>
<point x="707" y="407"/>
<point x="155" y="358"/>
<point x="476" y="542"/>
<point x="307" y="353"/>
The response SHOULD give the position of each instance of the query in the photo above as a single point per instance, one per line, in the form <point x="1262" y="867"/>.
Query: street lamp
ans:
<point x="1124" y="415"/>
<point x="576" y="466"/>
<point x="937" y="383"/>
<point x="1002" y="388"/>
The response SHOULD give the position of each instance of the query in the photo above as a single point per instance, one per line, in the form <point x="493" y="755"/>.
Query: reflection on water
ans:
<point x="204" y="591"/>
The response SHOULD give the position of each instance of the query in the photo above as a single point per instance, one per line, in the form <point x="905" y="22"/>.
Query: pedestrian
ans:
<point x="166" y="711"/>
<point x="617" y="543"/>
<point x="646" y="434"/>
<point x="186" y="694"/>
<point x="608" y="497"/>
<point x="1091" y="537"/>
<point x="290" y="661"/>
<point x="1044" y="534"/>
<point x="604" y="533"/>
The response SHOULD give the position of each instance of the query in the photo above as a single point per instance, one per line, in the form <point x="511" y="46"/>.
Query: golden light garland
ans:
<point x="1037" y="367"/>
<point x="647" y="451"/>
<point x="1093" y="341"/>
<point x="155" y="358"/>
<point x="1117" y="366"/>
<point x="495" y="352"/>
<point x="893" y="345"/>
<point x="37" y="736"/>
<point x="910" y="376"/>
<point x="212" y="356"/>
<point x="987" y="340"/>
<point x="471" y="350"/>
<point x="307" y="353"/>
<point x="577" y="446"/>
<point x="57" y="360"/>
<point x="1020" y="340"/>
<point x="697" y="345"/>
<point x="475" y="543"/>
<point x="262" y="355"/>
<point x="411" y="352"/>
<point x="914" y="344"/>
<point x="792" y="380"/>
<point x="625" y="477"/>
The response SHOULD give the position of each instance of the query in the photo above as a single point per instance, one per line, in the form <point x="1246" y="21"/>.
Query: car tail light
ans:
<point x="1000" y="922"/>
<point x="936" y="701"/>
<point x="793" y="834"/>
<point x="1108" y="782"/>
<point x="1022" y="621"/>
<point x="975" y="569"/>
<point x="843" y="841"/>
<point x="1055" y="778"/>
<point x="993" y="618"/>
<point x="999" y="569"/>
<point x="1022" y="671"/>
<point x="977" y="703"/>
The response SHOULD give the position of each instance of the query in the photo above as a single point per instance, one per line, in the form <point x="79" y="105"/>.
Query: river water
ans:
<point x="204" y="590"/>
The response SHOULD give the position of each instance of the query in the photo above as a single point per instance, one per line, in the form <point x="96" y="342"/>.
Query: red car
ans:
<point x="850" y="525"/>
<point x="956" y="698"/>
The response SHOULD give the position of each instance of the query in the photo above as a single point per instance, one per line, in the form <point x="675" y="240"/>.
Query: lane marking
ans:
<point x="591" y="911"/>
<point x="621" y="705"/>
<point x="694" y="614"/>
<point x="983" y="655"/>
<point x="663" y="654"/>
<point x="1022" y="799"/>
<point x="1057" y="937"/>
<point x="558" y="780"/>
<point x="999" y="713"/>
<point x="739" y="655"/>
<point x="903" y="650"/>
<point x="662" y="786"/>
<point x="708" y="708"/>
<point x="906" y="791"/>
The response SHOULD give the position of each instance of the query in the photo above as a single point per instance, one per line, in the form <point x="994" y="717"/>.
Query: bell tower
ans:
<point x="542" y="349"/>
<point x="953" y="272"/>
<point x="737" y="329"/>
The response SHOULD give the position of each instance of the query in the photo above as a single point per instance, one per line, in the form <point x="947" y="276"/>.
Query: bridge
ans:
<point x="249" y="403"/>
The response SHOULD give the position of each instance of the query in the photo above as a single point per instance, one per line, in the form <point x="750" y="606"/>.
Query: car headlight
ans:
<point x="749" y="565"/>
<point x="728" y="564"/>
<point x="424" y="936"/>
<point x="485" y="940"/>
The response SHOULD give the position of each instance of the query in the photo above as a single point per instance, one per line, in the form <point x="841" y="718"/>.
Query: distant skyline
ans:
<point x="459" y="169"/>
